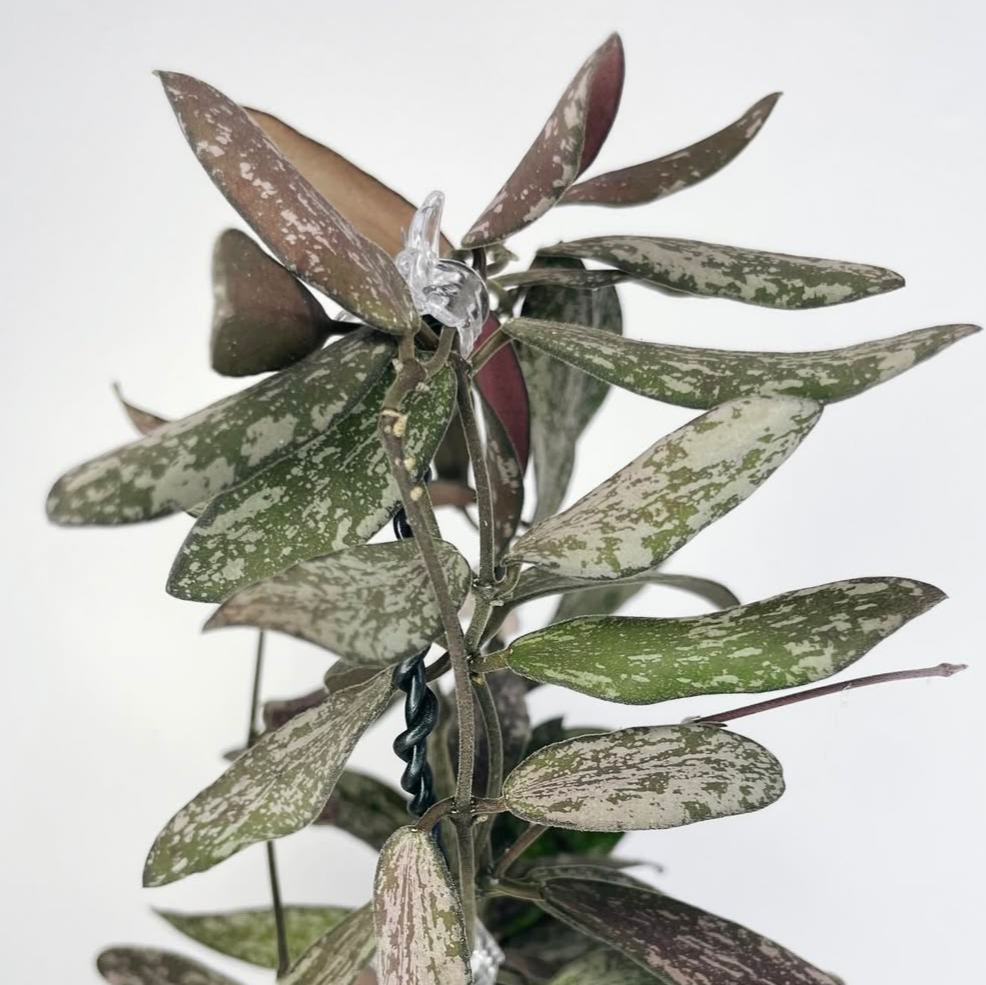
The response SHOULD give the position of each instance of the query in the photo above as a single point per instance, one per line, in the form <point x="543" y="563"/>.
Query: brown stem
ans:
<point x="517" y="849"/>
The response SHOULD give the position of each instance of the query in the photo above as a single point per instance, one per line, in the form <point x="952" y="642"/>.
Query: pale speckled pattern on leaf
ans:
<point x="338" y="957"/>
<point x="702" y="378"/>
<point x="773" y="280"/>
<point x="419" y="924"/>
<point x="151" y="966"/>
<point x="680" y="485"/>
<point x="785" y="641"/>
<point x="578" y="279"/>
<point x="636" y="779"/>
<point x="372" y="605"/>
<point x="603" y="967"/>
<point x="333" y="493"/>
<point x="189" y="461"/>
<point x="275" y="788"/>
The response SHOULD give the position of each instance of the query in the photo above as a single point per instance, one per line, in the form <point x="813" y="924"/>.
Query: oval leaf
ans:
<point x="277" y="787"/>
<point x="338" y="957"/>
<point x="189" y="461"/>
<point x="773" y="280"/>
<point x="501" y="383"/>
<point x="680" y="485"/>
<point x="603" y="967"/>
<point x="506" y="479"/>
<point x="703" y="378"/>
<point x="565" y="147"/>
<point x="302" y="230"/>
<point x="636" y="779"/>
<point x="420" y="929"/>
<point x="150" y="966"/>
<point x="666" y="175"/>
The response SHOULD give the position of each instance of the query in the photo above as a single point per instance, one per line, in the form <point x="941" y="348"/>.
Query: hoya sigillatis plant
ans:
<point x="450" y="371"/>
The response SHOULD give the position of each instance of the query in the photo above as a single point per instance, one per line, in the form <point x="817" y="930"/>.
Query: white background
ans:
<point x="116" y="709"/>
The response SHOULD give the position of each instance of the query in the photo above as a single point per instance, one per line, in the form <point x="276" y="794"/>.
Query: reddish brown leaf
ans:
<point x="502" y="386"/>
<point x="144" y="421"/>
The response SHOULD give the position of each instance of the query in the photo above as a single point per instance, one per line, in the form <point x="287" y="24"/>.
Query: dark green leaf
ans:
<point x="365" y="808"/>
<point x="577" y="279"/>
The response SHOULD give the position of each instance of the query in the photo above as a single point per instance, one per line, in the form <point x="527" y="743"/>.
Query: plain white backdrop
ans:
<point x="117" y="710"/>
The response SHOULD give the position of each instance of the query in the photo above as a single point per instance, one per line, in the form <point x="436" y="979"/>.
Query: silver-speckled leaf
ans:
<point x="338" y="957"/>
<point x="277" y="787"/>
<point x="421" y="934"/>
<point x="681" y="484"/>
<point x="659" y="776"/>
<point x="603" y="967"/>
<point x="579" y="279"/>
<point x="785" y="641"/>
<point x="675" y="942"/>
<point x="565" y="147"/>
<point x="371" y="605"/>
<point x="773" y="280"/>
<point x="702" y="378"/>
<point x="334" y="492"/>
<point x="666" y="175"/>
<point x="365" y="808"/>
<point x="303" y="231"/>
<point x="150" y="966"/>
<point x="191" y="460"/>
<point x="251" y="935"/>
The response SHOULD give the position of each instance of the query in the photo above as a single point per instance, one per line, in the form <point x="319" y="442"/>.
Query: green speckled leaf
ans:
<point x="338" y="957"/>
<point x="333" y="493"/>
<point x="371" y="605"/>
<point x="365" y="808"/>
<point x="635" y="779"/>
<point x="703" y="378"/>
<point x="191" y="460"/>
<point x="681" y="484"/>
<point x="421" y="934"/>
<point x="656" y="179"/>
<point x="578" y="278"/>
<point x="275" y="788"/>
<point x="251" y="935"/>
<point x="774" y="280"/>
<point x="675" y="942"/>
<point x="150" y="966"/>
<point x="785" y="641"/>
<point x="547" y="870"/>
<point x="603" y="967"/>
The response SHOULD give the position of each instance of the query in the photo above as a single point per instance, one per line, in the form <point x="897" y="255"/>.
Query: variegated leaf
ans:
<point x="578" y="279"/>
<point x="303" y="231"/>
<point x="339" y="956"/>
<point x="773" y="280"/>
<point x="334" y="492"/>
<point x="365" y="808"/>
<point x="151" y="966"/>
<point x="144" y="421"/>
<point x="785" y="641"/>
<point x="703" y="378"/>
<point x="191" y="460"/>
<point x="506" y="479"/>
<point x="666" y="175"/>
<point x="501" y="384"/>
<point x="251" y="935"/>
<point x="372" y="605"/>
<point x="658" y="776"/>
<point x="675" y="942"/>
<point x="275" y="788"/>
<point x="565" y="147"/>
<point x="680" y="485"/>
<point x="421" y="934"/>
<point x="603" y="967"/>
<point x="547" y="870"/>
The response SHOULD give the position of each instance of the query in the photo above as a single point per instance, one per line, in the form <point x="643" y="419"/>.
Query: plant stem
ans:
<point x="940" y="670"/>
<point x="494" y="774"/>
<point x="517" y="849"/>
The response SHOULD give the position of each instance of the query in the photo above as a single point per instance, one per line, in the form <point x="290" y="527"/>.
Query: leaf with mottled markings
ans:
<point x="773" y="280"/>
<point x="566" y="145"/>
<point x="506" y="480"/>
<point x="674" y="941"/>
<point x="365" y="808"/>
<point x="578" y="279"/>
<point x="603" y="967"/>
<point x="636" y="779"/>
<point x="303" y="231"/>
<point x="703" y="378"/>
<point x="501" y="383"/>
<point x="666" y="175"/>
<point x="339" y="956"/>
<point x="421" y="934"/>
<point x="189" y="461"/>
<point x="547" y="870"/>
<point x="334" y="492"/>
<point x="681" y="484"/>
<point x="277" y="787"/>
<point x="151" y="966"/>
<point x="371" y="605"/>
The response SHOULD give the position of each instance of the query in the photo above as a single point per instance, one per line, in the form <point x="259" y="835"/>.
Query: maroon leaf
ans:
<point x="502" y="386"/>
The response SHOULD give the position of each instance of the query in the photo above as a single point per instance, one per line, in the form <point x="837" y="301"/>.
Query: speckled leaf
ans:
<point x="279" y="711"/>
<point x="506" y="480"/>
<point x="565" y="147"/>
<point x="675" y="942"/>
<point x="580" y="279"/>
<point x="372" y="605"/>
<point x="603" y="967"/>
<point x="276" y="787"/>
<point x="334" y="492"/>
<point x="251" y="935"/>
<point x="144" y="421"/>
<point x="191" y="460"/>
<point x="785" y="641"/>
<point x="365" y="808"/>
<point x="338" y="957"/>
<point x="303" y="231"/>
<point x="150" y="966"/>
<point x="658" y="776"/>
<point x="666" y="175"/>
<point x="774" y="280"/>
<point x="681" y="484"/>
<point x="547" y="870"/>
<point x="703" y="378"/>
<point x="421" y="937"/>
